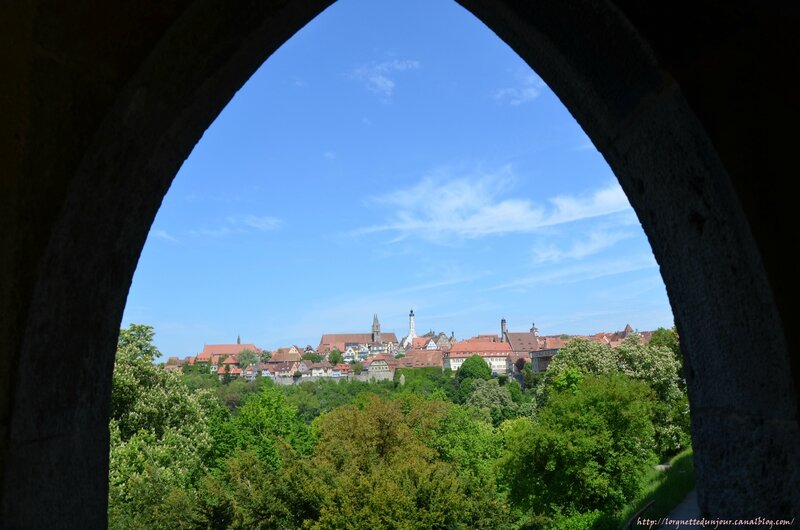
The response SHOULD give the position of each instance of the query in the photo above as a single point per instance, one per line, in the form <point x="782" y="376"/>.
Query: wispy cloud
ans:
<point x="471" y="207"/>
<point x="263" y="223"/>
<point x="379" y="77"/>
<point x="240" y="225"/>
<point x="597" y="241"/>
<point x="579" y="273"/>
<point x="527" y="89"/>
<point x="330" y="155"/>
<point x="164" y="235"/>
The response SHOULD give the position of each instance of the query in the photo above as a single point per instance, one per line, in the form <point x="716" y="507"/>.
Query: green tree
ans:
<point x="160" y="439"/>
<point x="587" y="356"/>
<point x="312" y="356"/>
<point x="669" y="339"/>
<point x="515" y="391"/>
<point x="381" y="473"/>
<point x="248" y="357"/>
<point x="357" y="368"/>
<point x="652" y="363"/>
<point x="474" y="368"/>
<point x="488" y="395"/>
<point x="589" y="449"/>
<point x="266" y="419"/>
<point x="335" y="357"/>
<point x="136" y="343"/>
<point x="466" y="439"/>
<point x="266" y="355"/>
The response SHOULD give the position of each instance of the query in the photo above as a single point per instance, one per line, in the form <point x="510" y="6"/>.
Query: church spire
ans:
<point x="238" y="339"/>
<point x="376" y="329"/>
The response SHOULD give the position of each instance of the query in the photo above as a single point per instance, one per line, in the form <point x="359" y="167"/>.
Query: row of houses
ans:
<point x="377" y="352"/>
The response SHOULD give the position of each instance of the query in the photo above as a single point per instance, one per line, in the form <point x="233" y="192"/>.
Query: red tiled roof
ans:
<point x="285" y="366"/>
<point x="390" y="361"/>
<point x="329" y="341"/>
<point x="283" y="355"/>
<point x="231" y="359"/>
<point x="342" y="367"/>
<point x="523" y="342"/>
<point x="420" y="358"/>
<point x="479" y="345"/>
<point x="551" y="342"/>
<point x="324" y="364"/>
<point x="265" y="366"/>
<point x="224" y="349"/>
<point x="420" y="342"/>
<point x="470" y="347"/>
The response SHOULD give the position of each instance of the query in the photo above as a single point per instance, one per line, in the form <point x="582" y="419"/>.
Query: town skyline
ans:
<point x="419" y="332"/>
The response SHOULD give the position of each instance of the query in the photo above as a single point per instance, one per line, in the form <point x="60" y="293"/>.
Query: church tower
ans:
<point x="376" y="329"/>
<point x="412" y="333"/>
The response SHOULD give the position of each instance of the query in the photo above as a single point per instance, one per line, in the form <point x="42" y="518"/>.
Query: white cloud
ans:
<point x="597" y="241"/>
<point x="471" y="207"/>
<point x="379" y="77"/>
<point x="580" y="273"/>
<point x="240" y="225"/>
<point x="330" y="155"/>
<point x="529" y="87"/>
<point x="263" y="224"/>
<point x="163" y="234"/>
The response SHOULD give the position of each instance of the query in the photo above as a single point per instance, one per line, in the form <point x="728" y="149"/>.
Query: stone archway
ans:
<point x="102" y="103"/>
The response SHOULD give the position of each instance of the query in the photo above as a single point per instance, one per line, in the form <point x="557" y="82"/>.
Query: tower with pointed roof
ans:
<point x="376" y="329"/>
<point x="412" y="333"/>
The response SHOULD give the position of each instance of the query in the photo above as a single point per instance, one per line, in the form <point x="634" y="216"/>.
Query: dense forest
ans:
<point x="572" y="448"/>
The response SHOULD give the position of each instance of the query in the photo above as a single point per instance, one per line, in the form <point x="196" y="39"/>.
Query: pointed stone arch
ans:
<point x="101" y="105"/>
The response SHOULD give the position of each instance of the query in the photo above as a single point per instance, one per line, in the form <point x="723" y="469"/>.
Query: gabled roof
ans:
<point x="284" y="355"/>
<point x="285" y="367"/>
<point x="552" y="342"/>
<point x="487" y="338"/>
<point x="421" y="358"/>
<point x="323" y="364"/>
<point x="523" y="342"/>
<point x="224" y="349"/>
<point x="421" y="342"/>
<point x="476" y="346"/>
<point x="329" y="341"/>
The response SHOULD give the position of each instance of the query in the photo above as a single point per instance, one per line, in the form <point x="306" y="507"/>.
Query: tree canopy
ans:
<point x="435" y="452"/>
<point x="474" y="368"/>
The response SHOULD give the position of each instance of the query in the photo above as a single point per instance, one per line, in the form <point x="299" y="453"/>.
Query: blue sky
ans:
<point x="383" y="160"/>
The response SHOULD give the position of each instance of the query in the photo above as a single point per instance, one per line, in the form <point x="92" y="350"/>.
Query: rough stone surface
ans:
<point x="690" y="103"/>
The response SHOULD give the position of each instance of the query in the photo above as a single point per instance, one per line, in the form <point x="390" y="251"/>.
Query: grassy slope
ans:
<point x="667" y="489"/>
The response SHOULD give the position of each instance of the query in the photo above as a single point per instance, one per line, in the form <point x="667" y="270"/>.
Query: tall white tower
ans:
<point x="411" y="331"/>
